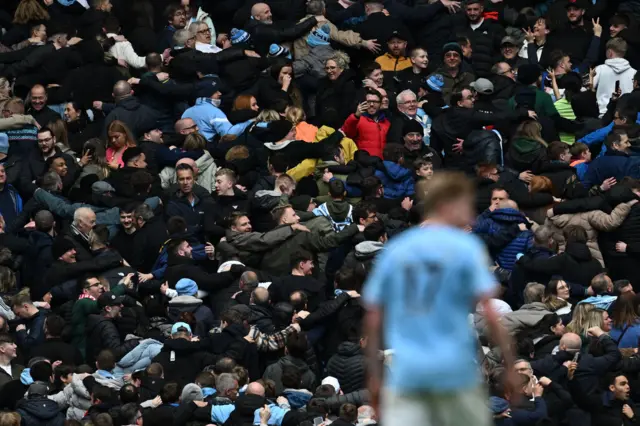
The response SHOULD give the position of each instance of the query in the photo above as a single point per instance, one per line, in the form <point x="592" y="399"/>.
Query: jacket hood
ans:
<point x="507" y="215"/>
<point x="297" y="398"/>
<point x="339" y="210"/>
<point x="78" y="388"/>
<point x="290" y="361"/>
<point x="395" y="171"/>
<point x="368" y="249"/>
<point x="618" y="65"/>
<point x="39" y="407"/>
<point x="130" y="103"/>
<point x="181" y="304"/>
<point x="349" y="349"/>
<point x="535" y="306"/>
<point x="526" y="147"/>
<point x="498" y="405"/>
<point x="578" y="251"/>
<point x="205" y="161"/>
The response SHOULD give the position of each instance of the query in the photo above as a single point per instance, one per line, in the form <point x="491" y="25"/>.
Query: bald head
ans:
<point x="262" y="12"/>
<point x="570" y="342"/>
<point x="248" y="281"/>
<point x="260" y="296"/>
<point x="255" y="388"/>
<point x="44" y="221"/>
<point x="185" y="126"/>
<point x="121" y="89"/>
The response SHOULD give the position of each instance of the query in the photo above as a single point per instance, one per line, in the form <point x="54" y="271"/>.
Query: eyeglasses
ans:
<point x="179" y="13"/>
<point x="45" y="140"/>
<point x="205" y="31"/>
<point x="330" y="68"/>
<point x="373" y="102"/>
<point x="451" y="55"/>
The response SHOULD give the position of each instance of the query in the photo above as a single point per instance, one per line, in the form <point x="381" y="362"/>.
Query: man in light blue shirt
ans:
<point x="211" y="120"/>
<point x="419" y="296"/>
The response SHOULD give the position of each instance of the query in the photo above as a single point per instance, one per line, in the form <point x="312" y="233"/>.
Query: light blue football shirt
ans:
<point x="427" y="281"/>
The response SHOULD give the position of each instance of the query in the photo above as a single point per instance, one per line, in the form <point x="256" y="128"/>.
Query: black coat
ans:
<point x="335" y="100"/>
<point x="348" y="365"/>
<point x="160" y="416"/>
<point x="564" y="180"/>
<point x="40" y="411"/>
<point x="56" y="349"/>
<point x="575" y="265"/>
<point x="202" y="314"/>
<point x="182" y="267"/>
<point x="102" y="333"/>
<point x="35" y="167"/>
<point x="231" y="343"/>
<point x="138" y="118"/>
<point x="38" y="261"/>
<point x="147" y="243"/>
<point x="45" y="116"/>
<point x="572" y="40"/>
<point x="190" y="358"/>
<point x="263" y="35"/>
<point x="485" y="41"/>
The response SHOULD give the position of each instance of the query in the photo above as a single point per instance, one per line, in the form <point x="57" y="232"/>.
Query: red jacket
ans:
<point x="368" y="134"/>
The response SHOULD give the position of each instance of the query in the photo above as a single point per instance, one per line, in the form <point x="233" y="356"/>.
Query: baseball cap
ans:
<point x="483" y="86"/>
<point x="330" y="380"/>
<point x="175" y="328"/>
<point x="509" y="40"/>
<point x="109" y="299"/>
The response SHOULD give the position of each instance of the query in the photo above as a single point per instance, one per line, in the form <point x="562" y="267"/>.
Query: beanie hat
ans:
<point x="435" y="82"/>
<point x="206" y="87"/>
<point x="451" y="47"/>
<point x="528" y="74"/>
<point x="190" y="393"/>
<point x="239" y="36"/>
<point x="60" y="246"/>
<point x="277" y="50"/>
<point x="186" y="287"/>
<point x="279" y="129"/>
<point x="4" y="143"/>
<point x="412" y="126"/>
<point x="319" y="36"/>
<point x="100" y="187"/>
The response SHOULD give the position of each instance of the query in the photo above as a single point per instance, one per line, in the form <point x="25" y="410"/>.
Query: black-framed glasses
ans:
<point x="205" y="31"/>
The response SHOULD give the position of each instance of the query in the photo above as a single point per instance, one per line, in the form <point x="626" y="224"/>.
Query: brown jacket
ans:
<point x="592" y="222"/>
<point x="347" y="38"/>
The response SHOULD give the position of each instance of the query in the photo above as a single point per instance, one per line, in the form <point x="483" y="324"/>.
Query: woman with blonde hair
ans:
<point x="336" y="92"/>
<point x="556" y="296"/>
<point x="120" y="139"/>
<point x="528" y="150"/>
<point x="59" y="130"/>
<point x="579" y="318"/>
<point x="304" y="131"/>
<point x="10" y="418"/>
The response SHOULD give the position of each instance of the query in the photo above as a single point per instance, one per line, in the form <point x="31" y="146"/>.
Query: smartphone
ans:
<point x="617" y="85"/>
<point x="576" y="356"/>
<point x="318" y="421"/>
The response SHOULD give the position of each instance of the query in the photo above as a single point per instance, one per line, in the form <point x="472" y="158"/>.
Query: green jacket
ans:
<point x="79" y="314"/>
<point x="543" y="104"/>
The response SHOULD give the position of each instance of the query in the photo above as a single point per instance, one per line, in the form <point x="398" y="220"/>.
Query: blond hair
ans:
<point x="295" y="115"/>
<point x="444" y="187"/>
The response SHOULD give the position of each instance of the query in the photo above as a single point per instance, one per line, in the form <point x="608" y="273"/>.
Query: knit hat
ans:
<point x="186" y="287"/>
<point x="528" y="74"/>
<point x="482" y="86"/>
<point x="320" y="35"/>
<point x="451" y="47"/>
<point x="4" y="143"/>
<point x="190" y="393"/>
<point x="60" y="246"/>
<point x="279" y="129"/>
<point x="300" y="202"/>
<point x="412" y="126"/>
<point x="277" y="50"/>
<point x="239" y="36"/>
<point x="330" y="380"/>
<point x="434" y="82"/>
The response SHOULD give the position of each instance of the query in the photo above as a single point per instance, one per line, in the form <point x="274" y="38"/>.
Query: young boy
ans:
<point x="423" y="169"/>
<point x="580" y="158"/>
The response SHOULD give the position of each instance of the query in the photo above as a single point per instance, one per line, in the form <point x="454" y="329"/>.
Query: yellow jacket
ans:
<point x="308" y="166"/>
<point x="391" y="63"/>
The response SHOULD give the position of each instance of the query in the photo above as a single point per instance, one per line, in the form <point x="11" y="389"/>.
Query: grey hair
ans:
<point x="518" y="361"/>
<point x="366" y="412"/>
<point x="533" y="292"/>
<point x="195" y="26"/>
<point x="80" y="213"/>
<point x="180" y="37"/>
<point x="51" y="181"/>
<point x="144" y="212"/>
<point x="401" y="95"/>
<point x="341" y="59"/>
<point x="224" y="382"/>
<point x="315" y="7"/>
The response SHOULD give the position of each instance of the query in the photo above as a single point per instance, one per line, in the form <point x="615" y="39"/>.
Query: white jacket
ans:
<point x="614" y="69"/>
<point x="124" y="50"/>
<point x="206" y="173"/>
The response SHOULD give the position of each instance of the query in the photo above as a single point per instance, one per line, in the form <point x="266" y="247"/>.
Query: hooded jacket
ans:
<point x="207" y="169"/>
<point x="364" y="252"/>
<point x="138" y="118"/>
<point x="492" y="222"/>
<point x="75" y="398"/>
<point x="396" y="180"/>
<point x="613" y="70"/>
<point x="203" y="315"/>
<point x="274" y="372"/>
<point x="526" y="154"/>
<point x="39" y="411"/>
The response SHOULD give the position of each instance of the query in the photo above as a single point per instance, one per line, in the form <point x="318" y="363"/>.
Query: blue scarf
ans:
<point x="314" y="41"/>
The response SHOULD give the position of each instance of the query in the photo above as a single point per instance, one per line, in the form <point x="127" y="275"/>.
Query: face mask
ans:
<point x="216" y="102"/>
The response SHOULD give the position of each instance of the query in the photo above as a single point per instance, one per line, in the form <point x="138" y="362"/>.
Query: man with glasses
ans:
<point x="201" y="31"/>
<point x="455" y="78"/>
<point x="367" y="126"/>
<point x="176" y="20"/>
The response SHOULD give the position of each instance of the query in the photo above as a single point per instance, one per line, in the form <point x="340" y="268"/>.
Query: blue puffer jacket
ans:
<point x="495" y="221"/>
<point x="138" y="358"/>
<point x="396" y="180"/>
